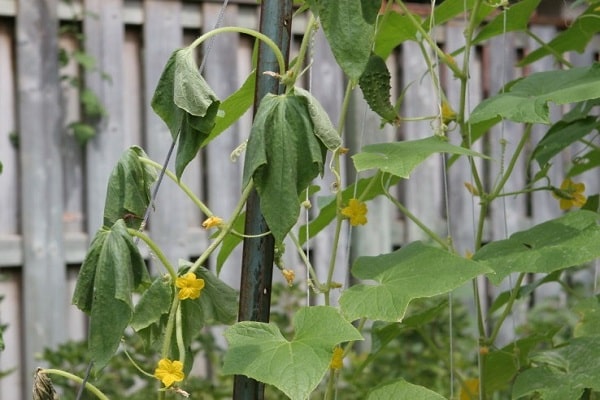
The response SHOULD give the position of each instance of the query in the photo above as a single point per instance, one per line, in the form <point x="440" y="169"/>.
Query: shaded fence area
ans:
<point x="52" y="188"/>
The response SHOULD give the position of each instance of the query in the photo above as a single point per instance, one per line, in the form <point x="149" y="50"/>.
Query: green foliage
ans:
<point x="402" y="390"/>
<point x="296" y="366"/>
<point x="186" y="104"/>
<point x="516" y="18"/>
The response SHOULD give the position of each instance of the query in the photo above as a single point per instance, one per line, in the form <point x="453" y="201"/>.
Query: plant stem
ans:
<point x="246" y="31"/>
<point x="75" y="378"/>
<point x="559" y="57"/>
<point x="182" y="185"/>
<point x="511" y="164"/>
<point x="170" y="325"/>
<point x="311" y="26"/>
<point x="507" y="309"/>
<point x="156" y="250"/>
<point x="179" y="335"/>
<point x="306" y="261"/>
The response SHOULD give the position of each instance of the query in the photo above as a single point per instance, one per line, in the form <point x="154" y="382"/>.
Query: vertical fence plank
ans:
<point x="162" y="36"/>
<point x="39" y="116"/>
<point x="11" y="386"/>
<point x="104" y="36"/>
<point x="223" y="186"/>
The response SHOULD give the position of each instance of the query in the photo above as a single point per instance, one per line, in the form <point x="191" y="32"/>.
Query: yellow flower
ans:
<point x="189" y="286"/>
<point x="356" y="211"/>
<point x="289" y="276"/>
<point x="448" y="114"/>
<point x="472" y="189"/>
<point x="169" y="372"/>
<point x="468" y="255"/>
<point x="212" y="222"/>
<point x="337" y="358"/>
<point x="570" y="194"/>
<point x="470" y="389"/>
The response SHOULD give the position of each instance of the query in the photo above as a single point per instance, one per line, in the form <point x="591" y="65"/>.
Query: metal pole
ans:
<point x="257" y="260"/>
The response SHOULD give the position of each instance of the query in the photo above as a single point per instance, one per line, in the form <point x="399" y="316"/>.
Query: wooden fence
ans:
<point x="52" y="189"/>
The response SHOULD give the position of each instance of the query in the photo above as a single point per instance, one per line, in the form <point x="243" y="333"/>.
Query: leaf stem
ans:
<point x="179" y="335"/>
<point x="97" y="392"/>
<point x="511" y="164"/>
<point x="306" y="261"/>
<point x="559" y="57"/>
<point x="295" y="72"/>
<point x="170" y="325"/>
<point x="246" y="31"/>
<point x="136" y="365"/>
<point x="156" y="250"/>
<point x="507" y="309"/>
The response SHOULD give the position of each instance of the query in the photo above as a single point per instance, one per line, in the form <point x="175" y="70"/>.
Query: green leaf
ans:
<point x="413" y="272"/>
<point x="569" y="240"/>
<point x="573" y="368"/>
<point x="233" y="107"/>
<point x="402" y="390"/>
<point x="113" y="268"/>
<point x="365" y="188"/>
<point x="186" y="104"/>
<point x="592" y="203"/>
<point x="87" y="61"/>
<point x="560" y="136"/>
<point x="149" y="314"/>
<point x="375" y="85"/>
<point x="283" y="156"/>
<point x="589" y="317"/>
<point x="400" y="158"/>
<point x="450" y="9"/>
<point x="128" y="192"/>
<point x="579" y="33"/>
<point x="526" y="100"/>
<point x="92" y="107"/>
<point x="393" y="31"/>
<point x="370" y="10"/>
<point x="523" y="292"/>
<point x="323" y="127"/>
<point x="515" y="18"/>
<point x="584" y="163"/>
<point x="1" y="167"/>
<point x="296" y="366"/>
<point x="350" y="36"/>
<point x="82" y="131"/>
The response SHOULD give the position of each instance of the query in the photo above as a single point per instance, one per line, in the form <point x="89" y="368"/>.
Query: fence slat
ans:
<point x="39" y="117"/>
<point x="162" y="36"/>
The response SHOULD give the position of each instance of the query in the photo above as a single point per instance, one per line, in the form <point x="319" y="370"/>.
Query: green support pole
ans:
<point x="257" y="261"/>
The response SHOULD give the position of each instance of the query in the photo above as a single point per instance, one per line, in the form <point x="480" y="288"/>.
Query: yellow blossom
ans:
<point x="337" y="358"/>
<point x="469" y="389"/>
<point x="212" y="222"/>
<point x="570" y="194"/>
<point x="289" y="276"/>
<point x="468" y="255"/>
<point x="169" y="372"/>
<point x="189" y="286"/>
<point x="448" y="114"/>
<point x="472" y="189"/>
<point x="356" y="211"/>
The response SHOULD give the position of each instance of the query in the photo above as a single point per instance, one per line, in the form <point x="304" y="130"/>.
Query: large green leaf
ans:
<point x="323" y="127"/>
<point x="589" y="317"/>
<point x="393" y="30"/>
<point x="113" y="268"/>
<point x="585" y="162"/>
<point x="187" y="104"/>
<point x="350" y="36"/>
<point x="128" y="190"/>
<point x="515" y="18"/>
<point x="569" y="240"/>
<point x="402" y="390"/>
<point x="150" y="313"/>
<point x="526" y="100"/>
<point x="365" y="188"/>
<point x="413" y="272"/>
<point x="400" y="158"/>
<point x="564" y="373"/>
<point x="560" y="136"/>
<point x="282" y="157"/>
<point x="579" y="33"/>
<point x="296" y="366"/>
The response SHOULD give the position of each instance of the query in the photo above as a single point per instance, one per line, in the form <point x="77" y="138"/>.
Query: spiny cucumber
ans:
<point x="375" y="85"/>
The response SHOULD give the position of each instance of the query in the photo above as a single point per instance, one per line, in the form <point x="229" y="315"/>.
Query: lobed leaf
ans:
<point x="259" y="350"/>
<point x="514" y="18"/>
<point x="402" y="390"/>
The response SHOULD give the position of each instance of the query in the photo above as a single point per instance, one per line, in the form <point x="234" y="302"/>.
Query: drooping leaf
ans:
<point x="526" y="100"/>
<point x="569" y="240"/>
<point x="393" y="31"/>
<point x="323" y="127"/>
<point x="296" y="366"/>
<point x="375" y="85"/>
<point x="365" y="188"/>
<point x="400" y="158"/>
<point x="233" y="107"/>
<point x="574" y="38"/>
<point x="186" y="104"/>
<point x="402" y="390"/>
<point x="560" y="136"/>
<point x="128" y="192"/>
<point x="413" y="272"/>
<point x="282" y="157"/>
<point x="565" y="371"/>
<point x="349" y="35"/>
<point x="514" y="18"/>
<point x="149" y="315"/>
<point x="113" y="268"/>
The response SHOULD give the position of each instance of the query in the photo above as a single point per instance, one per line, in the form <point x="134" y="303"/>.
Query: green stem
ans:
<point x="75" y="378"/>
<point x="590" y="144"/>
<point x="136" y="365"/>
<point x="311" y="26"/>
<point x="182" y="185"/>
<point x="306" y="261"/>
<point x="511" y="164"/>
<point x="427" y="37"/>
<point x="155" y="250"/>
<point x="246" y="31"/>
<point x="170" y="325"/>
<point x="507" y="309"/>
<point x="536" y="189"/>
<point x="225" y="231"/>
<point x="559" y="57"/>
<point x="330" y="385"/>
<point x="179" y="335"/>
